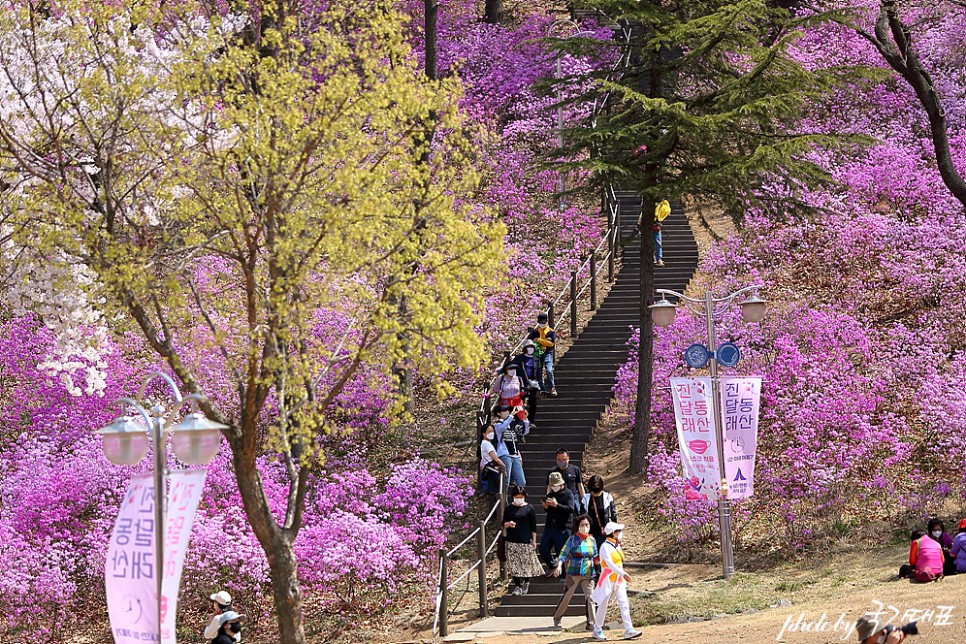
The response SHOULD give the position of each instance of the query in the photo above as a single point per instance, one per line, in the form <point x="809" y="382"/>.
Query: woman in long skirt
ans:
<point x="520" y="524"/>
<point x="612" y="583"/>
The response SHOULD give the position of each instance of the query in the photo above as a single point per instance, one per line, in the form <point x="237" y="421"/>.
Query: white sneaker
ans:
<point x="599" y="635"/>
<point x="632" y="634"/>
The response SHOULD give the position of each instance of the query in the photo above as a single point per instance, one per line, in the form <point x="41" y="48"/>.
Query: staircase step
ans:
<point x="585" y="376"/>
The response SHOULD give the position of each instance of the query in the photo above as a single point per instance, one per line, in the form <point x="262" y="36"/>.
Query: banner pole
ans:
<point x="724" y="503"/>
<point x="160" y="498"/>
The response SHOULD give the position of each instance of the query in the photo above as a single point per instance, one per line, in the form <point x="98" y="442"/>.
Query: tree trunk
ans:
<point x="432" y="7"/>
<point x="275" y="541"/>
<point x="493" y="12"/>
<point x="285" y="588"/>
<point x="894" y="41"/>
<point x="645" y="353"/>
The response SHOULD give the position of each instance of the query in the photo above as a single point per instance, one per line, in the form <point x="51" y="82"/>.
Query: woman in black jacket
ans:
<point x="520" y="528"/>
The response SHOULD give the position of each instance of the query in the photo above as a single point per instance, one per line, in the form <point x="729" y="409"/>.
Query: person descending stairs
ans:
<point x="584" y="377"/>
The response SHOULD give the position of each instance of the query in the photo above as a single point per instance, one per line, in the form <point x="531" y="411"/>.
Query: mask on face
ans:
<point x="937" y="533"/>
<point x="597" y="492"/>
<point x="562" y="464"/>
<point x="542" y="325"/>
<point x="556" y="488"/>
<point x="529" y="351"/>
<point x="489" y="436"/>
<point x="583" y="529"/>
<point x="234" y="627"/>
<point x="519" y="500"/>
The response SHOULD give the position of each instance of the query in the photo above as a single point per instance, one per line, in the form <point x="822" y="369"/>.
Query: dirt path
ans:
<point x="786" y="624"/>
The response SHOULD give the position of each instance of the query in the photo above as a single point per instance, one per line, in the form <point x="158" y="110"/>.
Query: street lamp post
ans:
<point x="558" y="76"/>
<point x="752" y="310"/>
<point x="195" y="441"/>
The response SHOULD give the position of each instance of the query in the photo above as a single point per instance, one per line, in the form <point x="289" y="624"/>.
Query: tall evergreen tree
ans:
<point x="705" y="107"/>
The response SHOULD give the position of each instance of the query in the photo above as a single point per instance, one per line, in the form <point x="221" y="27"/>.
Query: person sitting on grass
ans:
<point x="958" y="551"/>
<point x="925" y="559"/>
<point x="937" y="531"/>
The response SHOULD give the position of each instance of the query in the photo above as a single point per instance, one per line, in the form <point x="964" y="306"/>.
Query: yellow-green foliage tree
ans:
<point x="305" y="156"/>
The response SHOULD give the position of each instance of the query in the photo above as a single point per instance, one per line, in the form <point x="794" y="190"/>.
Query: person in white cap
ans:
<point x="612" y="583"/>
<point x="220" y="604"/>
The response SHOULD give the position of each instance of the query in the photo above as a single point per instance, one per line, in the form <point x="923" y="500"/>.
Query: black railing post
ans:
<point x="499" y="521"/>
<point x="573" y="305"/>
<point x="481" y="555"/>
<point x="443" y="599"/>
<point x="550" y="316"/>
<point x="593" y="281"/>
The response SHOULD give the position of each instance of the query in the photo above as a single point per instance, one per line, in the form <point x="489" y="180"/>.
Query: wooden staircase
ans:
<point x="585" y="376"/>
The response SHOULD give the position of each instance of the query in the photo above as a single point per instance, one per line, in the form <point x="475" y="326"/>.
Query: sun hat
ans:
<point x="221" y="597"/>
<point x="229" y="616"/>
<point x="556" y="478"/>
<point x="867" y="626"/>
<point x="612" y="527"/>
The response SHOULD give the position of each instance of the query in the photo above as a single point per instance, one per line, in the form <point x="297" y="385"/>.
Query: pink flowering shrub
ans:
<point x="861" y="350"/>
<point x="59" y="496"/>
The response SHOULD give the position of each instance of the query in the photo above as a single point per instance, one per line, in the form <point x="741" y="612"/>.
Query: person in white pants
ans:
<point x="612" y="583"/>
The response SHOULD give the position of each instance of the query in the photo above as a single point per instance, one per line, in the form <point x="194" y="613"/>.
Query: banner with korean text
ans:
<point x="697" y="435"/>
<point x="740" y="401"/>
<point x="130" y="570"/>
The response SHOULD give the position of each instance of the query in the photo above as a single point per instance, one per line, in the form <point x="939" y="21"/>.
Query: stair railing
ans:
<point x="443" y="585"/>
<point x="567" y="300"/>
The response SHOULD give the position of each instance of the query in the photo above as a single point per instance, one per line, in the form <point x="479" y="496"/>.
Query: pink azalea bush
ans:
<point x="861" y="351"/>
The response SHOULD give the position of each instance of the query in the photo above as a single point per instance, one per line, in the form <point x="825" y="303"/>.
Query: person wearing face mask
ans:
<point x="612" y="583"/>
<point x="599" y="505"/>
<point x="925" y="559"/>
<point x="529" y="372"/>
<point x="577" y="563"/>
<point x="510" y="432"/>
<point x="544" y="337"/>
<point x="937" y="531"/>
<point x="229" y="628"/>
<point x="560" y="506"/>
<point x="507" y="387"/>
<point x="220" y="604"/>
<point x="490" y="464"/>
<point x="520" y="537"/>
<point x="573" y="479"/>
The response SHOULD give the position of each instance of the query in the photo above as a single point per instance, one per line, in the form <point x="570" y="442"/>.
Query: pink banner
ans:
<point x="740" y="398"/>
<point x="184" y="492"/>
<point x="130" y="569"/>
<point x="129" y="572"/>
<point x="694" y="419"/>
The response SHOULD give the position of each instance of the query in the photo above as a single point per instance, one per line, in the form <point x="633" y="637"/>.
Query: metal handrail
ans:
<point x="479" y="561"/>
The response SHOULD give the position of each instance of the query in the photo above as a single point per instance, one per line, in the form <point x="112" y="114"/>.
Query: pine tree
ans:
<point x="704" y="106"/>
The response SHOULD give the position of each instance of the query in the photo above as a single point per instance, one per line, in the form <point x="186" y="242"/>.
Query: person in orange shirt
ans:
<point x="612" y="583"/>
<point x="925" y="559"/>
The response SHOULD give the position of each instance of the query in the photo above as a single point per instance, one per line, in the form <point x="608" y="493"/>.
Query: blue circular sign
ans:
<point x="697" y="355"/>
<point x="728" y="354"/>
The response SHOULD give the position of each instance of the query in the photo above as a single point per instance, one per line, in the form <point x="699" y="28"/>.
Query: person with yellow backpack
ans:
<point x="544" y="337"/>
<point x="660" y="214"/>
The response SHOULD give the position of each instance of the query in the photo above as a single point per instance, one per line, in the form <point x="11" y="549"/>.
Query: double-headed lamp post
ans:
<point x="195" y="441"/>
<point x="752" y="310"/>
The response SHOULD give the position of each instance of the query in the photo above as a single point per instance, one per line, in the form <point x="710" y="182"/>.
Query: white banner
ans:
<point x="740" y="400"/>
<point x="130" y="570"/>
<point x="694" y="419"/>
